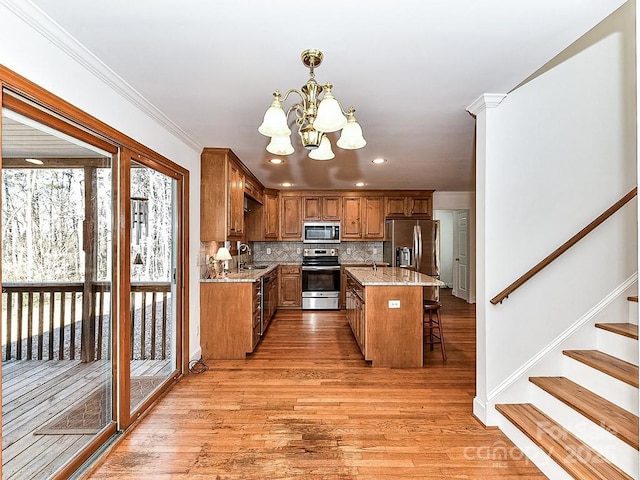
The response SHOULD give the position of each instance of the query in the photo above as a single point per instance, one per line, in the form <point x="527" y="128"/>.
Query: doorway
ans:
<point x="454" y="250"/>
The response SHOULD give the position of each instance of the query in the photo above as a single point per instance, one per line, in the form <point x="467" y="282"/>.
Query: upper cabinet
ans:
<point x="290" y="217"/>
<point x="351" y="214"/>
<point x="409" y="204"/>
<point x="373" y="218"/>
<point x="362" y="218"/>
<point x="226" y="185"/>
<point x="222" y="189"/>
<point x="235" y="205"/>
<point x="271" y="215"/>
<point x="318" y="208"/>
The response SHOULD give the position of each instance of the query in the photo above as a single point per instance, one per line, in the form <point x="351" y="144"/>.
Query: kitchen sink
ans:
<point x="254" y="267"/>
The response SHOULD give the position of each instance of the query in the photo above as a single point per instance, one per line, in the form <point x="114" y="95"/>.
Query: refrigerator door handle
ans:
<point x="417" y="246"/>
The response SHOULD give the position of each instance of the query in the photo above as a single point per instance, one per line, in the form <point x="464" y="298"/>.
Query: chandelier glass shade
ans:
<point x="315" y="117"/>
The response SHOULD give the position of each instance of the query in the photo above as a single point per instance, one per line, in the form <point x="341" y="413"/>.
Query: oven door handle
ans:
<point x="312" y="269"/>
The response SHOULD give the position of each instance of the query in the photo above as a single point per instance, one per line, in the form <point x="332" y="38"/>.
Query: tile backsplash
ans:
<point x="350" y="252"/>
<point x="290" y="252"/>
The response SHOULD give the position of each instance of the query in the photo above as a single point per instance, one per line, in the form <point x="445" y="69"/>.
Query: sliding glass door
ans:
<point x="153" y="281"/>
<point x="93" y="246"/>
<point x="57" y="361"/>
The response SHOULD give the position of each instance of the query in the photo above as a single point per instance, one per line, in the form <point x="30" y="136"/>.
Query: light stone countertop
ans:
<point x="243" y="276"/>
<point x="392" y="276"/>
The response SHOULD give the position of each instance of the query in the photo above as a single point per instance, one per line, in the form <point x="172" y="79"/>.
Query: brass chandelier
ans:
<point x="314" y="117"/>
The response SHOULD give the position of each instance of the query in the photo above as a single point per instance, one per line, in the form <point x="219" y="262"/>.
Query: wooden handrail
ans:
<point x="565" y="246"/>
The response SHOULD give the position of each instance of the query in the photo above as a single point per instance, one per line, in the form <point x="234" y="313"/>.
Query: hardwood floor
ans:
<point x="306" y="406"/>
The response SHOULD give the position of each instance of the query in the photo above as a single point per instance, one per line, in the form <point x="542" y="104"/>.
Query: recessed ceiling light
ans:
<point x="360" y="184"/>
<point x="276" y="161"/>
<point x="286" y="184"/>
<point x="35" y="161"/>
<point x="378" y="160"/>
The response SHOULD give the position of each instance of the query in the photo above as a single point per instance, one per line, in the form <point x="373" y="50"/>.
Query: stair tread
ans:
<point x="633" y="298"/>
<point x="578" y="459"/>
<point x="618" y="421"/>
<point x="626" y="329"/>
<point x="623" y="371"/>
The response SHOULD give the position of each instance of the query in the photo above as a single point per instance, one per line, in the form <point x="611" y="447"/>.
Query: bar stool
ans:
<point x="431" y="320"/>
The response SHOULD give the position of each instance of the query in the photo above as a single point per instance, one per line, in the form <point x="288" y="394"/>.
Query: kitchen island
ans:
<point x="384" y="309"/>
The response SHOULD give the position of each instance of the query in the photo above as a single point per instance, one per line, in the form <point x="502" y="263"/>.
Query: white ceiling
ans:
<point x="410" y="68"/>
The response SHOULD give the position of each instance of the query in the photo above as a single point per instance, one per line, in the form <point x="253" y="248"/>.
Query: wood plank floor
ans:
<point x="306" y="406"/>
<point x="36" y="391"/>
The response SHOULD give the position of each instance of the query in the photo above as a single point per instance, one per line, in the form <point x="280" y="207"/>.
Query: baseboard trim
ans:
<point x="480" y="411"/>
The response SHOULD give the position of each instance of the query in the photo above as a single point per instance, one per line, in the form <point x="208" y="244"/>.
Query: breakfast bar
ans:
<point x="385" y="309"/>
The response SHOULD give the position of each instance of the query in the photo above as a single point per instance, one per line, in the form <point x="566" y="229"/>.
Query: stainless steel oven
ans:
<point x="320" y="279"/>
<point x="321" y="232"/>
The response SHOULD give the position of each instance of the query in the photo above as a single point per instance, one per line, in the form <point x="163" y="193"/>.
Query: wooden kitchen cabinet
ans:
<point x="235" y="206"/>
<point x="362" y="218"/>
<point x="373" y="218"/>
<point x="253" y="191"/>
<point x="229" y="329"/>
<point x="322" y="208"/>
<point x="351" y="224"/>
<point x="419" y="204"/>
<point x="290" y="218"/>
<point x="222" y="191"/>
<point x="271" y="216"/>
<point x="290" y="278"/>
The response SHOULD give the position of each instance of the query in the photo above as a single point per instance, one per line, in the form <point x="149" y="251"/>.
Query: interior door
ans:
<point x="461" y="254"/>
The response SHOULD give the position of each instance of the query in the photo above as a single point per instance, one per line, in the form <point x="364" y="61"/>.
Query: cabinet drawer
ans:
<point x="290" y="269"/>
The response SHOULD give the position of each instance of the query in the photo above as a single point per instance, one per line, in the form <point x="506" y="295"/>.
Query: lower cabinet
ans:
<point x="229" y="319"/>
<point x="290" y="277"/>
<point x="356" y="315"/>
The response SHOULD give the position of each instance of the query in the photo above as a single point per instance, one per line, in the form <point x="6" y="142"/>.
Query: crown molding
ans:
<point x="484" y="101"/>
<point x="54" y="33"/>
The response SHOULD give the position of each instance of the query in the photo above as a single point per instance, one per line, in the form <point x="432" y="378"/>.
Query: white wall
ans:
<point x="35" y="48"/>
<point x="551" y="157"/>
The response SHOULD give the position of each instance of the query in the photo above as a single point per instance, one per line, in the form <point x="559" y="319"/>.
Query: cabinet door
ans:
<point x="395" y="206"/>
<point x="351" y="225"/>
<point x="331" y="207"/>
<point x="373" y="218"/>
<point x="290" y="290"/>
<point x="312" y="208"/>
<point x="271" y="217"/>
<point x="291" y="218"/>
<point x="235" y="211"/>
<point x="420" y="207"/>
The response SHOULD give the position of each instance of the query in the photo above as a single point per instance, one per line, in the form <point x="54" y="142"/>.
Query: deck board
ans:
<point x="36" y="391"/>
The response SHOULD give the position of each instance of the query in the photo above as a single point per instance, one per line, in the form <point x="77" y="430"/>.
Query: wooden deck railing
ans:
<point x="44" y="320"/>
<point x="564" y="247"/>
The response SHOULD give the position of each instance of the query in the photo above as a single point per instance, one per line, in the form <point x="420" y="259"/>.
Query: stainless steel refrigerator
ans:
<point x="414" y="244"/>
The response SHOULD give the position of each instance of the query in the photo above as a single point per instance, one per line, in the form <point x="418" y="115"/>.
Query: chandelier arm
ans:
<point x="293" y="90"/>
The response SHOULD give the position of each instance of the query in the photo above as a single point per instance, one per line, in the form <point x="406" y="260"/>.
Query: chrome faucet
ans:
<point x="243" y="247"/>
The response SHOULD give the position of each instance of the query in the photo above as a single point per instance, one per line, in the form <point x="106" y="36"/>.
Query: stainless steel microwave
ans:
<point x="321" y="232"/>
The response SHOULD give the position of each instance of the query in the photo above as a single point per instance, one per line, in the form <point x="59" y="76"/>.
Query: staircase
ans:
<point x="584" y="425"/>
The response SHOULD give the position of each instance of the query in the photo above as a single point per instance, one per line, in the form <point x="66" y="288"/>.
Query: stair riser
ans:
<point x="606" y="444"/>
<point x="619" y="346"/>
<point x="633" y="313"/>
<point x="534" y="453"/>
<point x="614" y="390"/>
